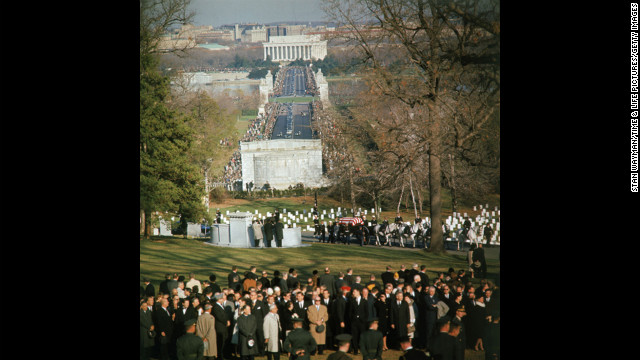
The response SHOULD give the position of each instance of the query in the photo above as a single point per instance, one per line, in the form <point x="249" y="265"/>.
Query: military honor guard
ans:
<point x="344" y="341"/>
<point x="299" y="343"/>
<point x="189" y="346"/>
<point x="371" y="342"/>
<point x="409" y="352"/>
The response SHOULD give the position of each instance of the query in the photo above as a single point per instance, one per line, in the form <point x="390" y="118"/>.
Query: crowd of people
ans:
<point x="288" y="313"/>
<point x="310" y="81"/>
<point x="271" y="109"/>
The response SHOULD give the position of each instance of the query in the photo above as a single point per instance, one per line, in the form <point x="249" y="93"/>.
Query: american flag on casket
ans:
<point x="350" y="221"/>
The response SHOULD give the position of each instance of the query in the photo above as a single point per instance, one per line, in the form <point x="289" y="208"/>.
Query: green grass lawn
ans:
<point x="162" y="255"/>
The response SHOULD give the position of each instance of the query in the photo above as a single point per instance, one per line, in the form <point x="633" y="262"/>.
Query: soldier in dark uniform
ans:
<point x="461" y="336"/>
<point x="371" y="342"/>
<point x="268" y="230"/>
<point x="218" y="216"/>
<point x="398" y="220"/>
<point x="299" y="343"/>
<point x="276" y="214"/>
<point x="409" y="352"/>
<point x="344" y="341"/>
<point x="443" y="345"/>
<point x="316" y="225"/>
<point x="278" y="231"/>
<point x="189" y="346"/>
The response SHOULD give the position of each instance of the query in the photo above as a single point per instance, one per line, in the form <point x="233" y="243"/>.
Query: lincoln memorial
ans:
<point x="289" y="48"/>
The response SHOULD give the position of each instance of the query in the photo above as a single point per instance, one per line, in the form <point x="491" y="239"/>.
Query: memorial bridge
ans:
<point x="292" y="155"/>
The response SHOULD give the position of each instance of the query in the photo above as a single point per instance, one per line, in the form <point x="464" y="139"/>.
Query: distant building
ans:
<point x="289" y="48"/>
<point x="257" y="34"/>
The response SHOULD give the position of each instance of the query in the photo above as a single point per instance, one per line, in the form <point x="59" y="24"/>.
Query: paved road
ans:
<point x="294" y="120"/>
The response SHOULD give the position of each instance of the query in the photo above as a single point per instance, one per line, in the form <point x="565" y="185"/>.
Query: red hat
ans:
<point x="345" y="288"/>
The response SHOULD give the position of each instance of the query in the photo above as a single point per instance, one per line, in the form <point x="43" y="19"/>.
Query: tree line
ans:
<point x="180" y="129"/>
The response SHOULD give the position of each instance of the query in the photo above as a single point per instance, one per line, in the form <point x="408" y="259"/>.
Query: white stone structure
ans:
<point x="289" y="48"/>
<point x="266" y="88"/>
<point x="282" y="163"/>
<point x="239" y="234"/>
<point x="323" y="86"/>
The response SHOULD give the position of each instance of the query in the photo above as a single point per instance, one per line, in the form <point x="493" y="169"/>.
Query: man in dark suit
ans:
<point x="172" y="283"/>
<point x="331" y="324"/>
<point x="230" y="279"/>
<point x="339" y="283"/>
<point x="358" y="315"/>
<point x="402" y="273"/>
<point x="149" y="289"/>
<point x="163" y="284"/>
<point x="265" y="280"/>
<point x="430" y="311"/>
<point x="184" y="313"/>
<point x="410" y="275"/>
<point x="300" y="307"/>
<point x="259" y="310"/>
<point x="371" y="342"/>
<point x="340" y="307"/>
<point x="164" y="329"/>
<point x="398" y="318"/>
<point x="424" y="278"/>
<point x="357" y="285"/>
<point x="292" y="280"/>
<point x="221" y="325"/>
<point x="348" y="277"/>
<point x="387" y="276"/>
<point x="328" y="281"/>
<point x="279" y="282"/>
<point x="279" y="235"/>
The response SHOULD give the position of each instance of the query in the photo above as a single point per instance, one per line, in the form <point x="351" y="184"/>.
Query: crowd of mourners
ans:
<point x="258" y="314"/>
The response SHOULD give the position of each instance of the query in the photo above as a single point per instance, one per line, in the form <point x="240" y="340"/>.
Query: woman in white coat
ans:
<point x="272" y="329"/>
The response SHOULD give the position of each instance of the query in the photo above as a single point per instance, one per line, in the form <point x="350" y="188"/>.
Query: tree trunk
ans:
<point x="415" y="208"/>
<point x="142" y="222"/>
<point x="352" y="192"/>
<point x="400" y="200"/>
<point x="437" y="243"/>
<point x="147" y="225"/>
<point x="454" y="197"/>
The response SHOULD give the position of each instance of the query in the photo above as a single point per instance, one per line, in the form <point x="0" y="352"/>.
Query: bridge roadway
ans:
<point x="293" y="116"/>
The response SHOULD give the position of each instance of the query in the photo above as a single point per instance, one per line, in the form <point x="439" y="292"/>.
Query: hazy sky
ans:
<point x="219" y="12"/>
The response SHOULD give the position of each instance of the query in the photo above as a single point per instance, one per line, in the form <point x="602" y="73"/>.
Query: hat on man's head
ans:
<point x="343" y="338"/>
<point x="460" y="308"/>
<point x="347" y="288"/>
<point x="189" y="322"/>
<point x="443" y="320"/>
<point x="297" y="319"/>
<point x="404" y="339"/>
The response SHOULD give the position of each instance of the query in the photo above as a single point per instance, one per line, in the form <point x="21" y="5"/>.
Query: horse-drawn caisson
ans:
<point x="402" y="233"/>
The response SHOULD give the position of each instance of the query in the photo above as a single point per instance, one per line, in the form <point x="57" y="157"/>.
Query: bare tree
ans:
<point x="451" y="84"/>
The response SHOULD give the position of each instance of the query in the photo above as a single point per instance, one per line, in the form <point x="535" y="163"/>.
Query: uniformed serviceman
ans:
<point x="409" y="352"/>
<point x="278" y="231"/>
<point x="299" y="343"/>
<point x="189" y="346"/>
<point x="371" y="341"/>
<point x="344" y="341"/>
<point x="443" y="345"/>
